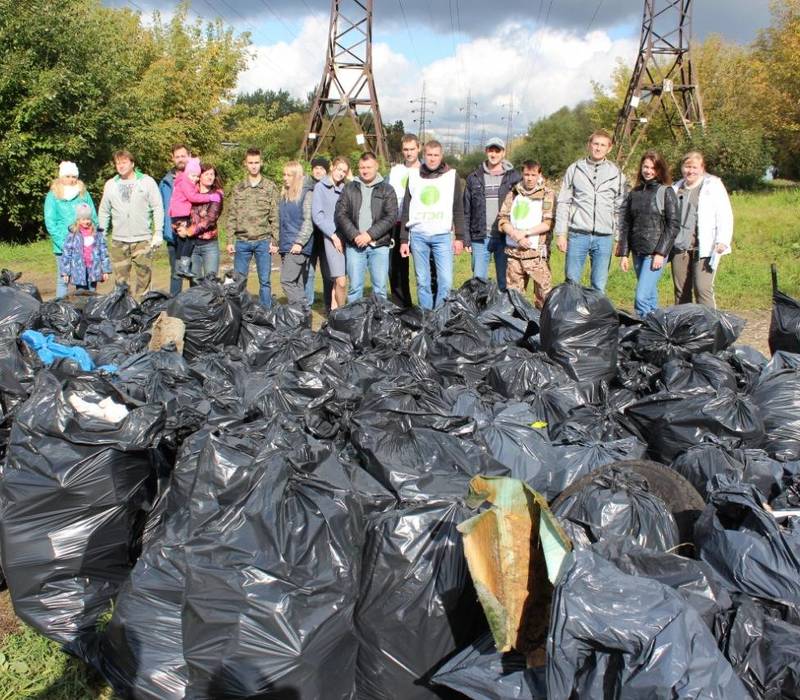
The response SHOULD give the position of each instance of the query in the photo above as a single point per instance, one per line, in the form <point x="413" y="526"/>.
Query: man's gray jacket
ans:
<point x="591" y="198"/>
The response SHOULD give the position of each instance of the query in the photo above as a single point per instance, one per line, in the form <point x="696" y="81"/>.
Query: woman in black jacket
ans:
<point x="649" y="225"/>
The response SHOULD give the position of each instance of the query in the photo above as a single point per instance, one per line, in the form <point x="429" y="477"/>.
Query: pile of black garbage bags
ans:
<point x="272" y="513"/>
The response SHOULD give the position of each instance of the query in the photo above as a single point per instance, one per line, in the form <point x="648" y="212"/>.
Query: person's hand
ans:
<point x="362" y="240"/>
<point x="156" y="240"/>
<point x="467" y="248"/>
<point x="104" y="277"/>
<point x="296" y="249"/>
<point x="658" y="262"/>
<point x="523" y="241"/>
<point x="561" y="243"/>
<point x="404" y="250"/>
<point x="215" y="197"/>
<point x="181" y="231"/>
<point x="273" y="248"/>
<point x="624" y="264"/>
<point x="231" y="250"/>
<point x="458" y="246"/>
<point x="337" y="243"/>
<point x="720" y="248"/>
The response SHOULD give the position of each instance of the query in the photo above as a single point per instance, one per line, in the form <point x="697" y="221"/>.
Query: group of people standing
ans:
<point x="347" y="226"/>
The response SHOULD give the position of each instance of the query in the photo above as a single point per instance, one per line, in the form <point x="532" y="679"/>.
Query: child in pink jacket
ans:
<point x="184" y="194"/>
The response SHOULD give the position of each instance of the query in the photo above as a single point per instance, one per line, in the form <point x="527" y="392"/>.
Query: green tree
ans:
<point x="277" y="103"/>
<point x="79" y="80"/>
<point x="557" y="140"/>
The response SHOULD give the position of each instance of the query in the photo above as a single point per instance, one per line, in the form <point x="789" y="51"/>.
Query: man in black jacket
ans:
<point x="486" y="190"/>
<point x="365" y="215"/>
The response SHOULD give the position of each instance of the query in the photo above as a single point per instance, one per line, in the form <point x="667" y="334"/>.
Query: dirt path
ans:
<point x="8" y="620"/>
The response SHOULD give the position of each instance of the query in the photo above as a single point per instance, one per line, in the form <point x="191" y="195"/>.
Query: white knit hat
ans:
<point x="67" y="168"/>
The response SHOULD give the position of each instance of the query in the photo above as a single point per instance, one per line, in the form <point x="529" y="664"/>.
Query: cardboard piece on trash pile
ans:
<point x="515" y="551"/>
<point x="167" y="329"/>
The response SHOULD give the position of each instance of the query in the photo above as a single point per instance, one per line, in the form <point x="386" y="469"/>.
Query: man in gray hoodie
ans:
<point x="132" y="204"/>
<point x="365" y="215"/>
<point x="587" y="212"/>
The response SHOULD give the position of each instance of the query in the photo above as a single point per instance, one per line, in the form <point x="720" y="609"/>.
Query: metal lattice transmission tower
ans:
<point x="662" y="78"/>
<point x="509" y="118"/>
<point x="424" y="111"/>
<point x="347" y="89"/>
<point x="469" y="115"/>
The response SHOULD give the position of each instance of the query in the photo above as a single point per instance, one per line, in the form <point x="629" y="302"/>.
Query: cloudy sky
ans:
<point x="545" y="53"/>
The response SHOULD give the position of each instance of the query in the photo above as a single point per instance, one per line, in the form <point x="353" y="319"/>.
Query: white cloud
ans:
<point x="545" y="70"/>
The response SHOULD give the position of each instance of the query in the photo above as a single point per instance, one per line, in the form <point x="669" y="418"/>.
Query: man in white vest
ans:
<point x="433" y="213"/>
<point x="526" y="219"/>
<point x="398" y="179"/>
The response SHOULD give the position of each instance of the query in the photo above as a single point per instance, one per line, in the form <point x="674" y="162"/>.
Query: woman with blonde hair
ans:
<point x="706" y="231"/>
<point x="66" y="193"/>
<point x="295" y="240"/>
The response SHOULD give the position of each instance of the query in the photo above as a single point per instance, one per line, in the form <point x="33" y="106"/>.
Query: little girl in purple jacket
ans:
<point x="84" y="259"/>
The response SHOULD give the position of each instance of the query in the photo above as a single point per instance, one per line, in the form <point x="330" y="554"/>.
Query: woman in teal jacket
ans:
<point x="66" y="193"/>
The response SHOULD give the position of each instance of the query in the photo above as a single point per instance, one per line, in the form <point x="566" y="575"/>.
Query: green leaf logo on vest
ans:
<point x="429" y="196"/>
<point x="521" y="209"/>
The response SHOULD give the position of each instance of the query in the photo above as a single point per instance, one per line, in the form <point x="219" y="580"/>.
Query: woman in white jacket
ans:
<point x="705" y="235"/>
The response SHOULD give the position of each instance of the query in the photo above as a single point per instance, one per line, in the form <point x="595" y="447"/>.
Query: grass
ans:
<point x="34" y="668"/>
<point x="766" y="231"/>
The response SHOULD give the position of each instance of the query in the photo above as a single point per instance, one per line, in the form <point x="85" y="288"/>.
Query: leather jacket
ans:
<point x="384" y="212"/>
<point x="645" y="229"/>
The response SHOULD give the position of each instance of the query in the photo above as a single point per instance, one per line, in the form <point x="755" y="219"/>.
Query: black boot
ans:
<point x="183" y="268"/>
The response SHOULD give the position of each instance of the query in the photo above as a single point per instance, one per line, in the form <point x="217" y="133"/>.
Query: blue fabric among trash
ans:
<point x="49" y="351"/>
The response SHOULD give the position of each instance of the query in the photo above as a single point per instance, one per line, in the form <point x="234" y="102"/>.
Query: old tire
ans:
<point x="681" y="498"/>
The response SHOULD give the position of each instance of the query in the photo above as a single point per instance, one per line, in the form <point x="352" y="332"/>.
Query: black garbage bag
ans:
<point x="480" y="671"/>
<point x="114" y="306"/>
<point x="59" y="316"/>
<point x="163" y="376"/>
<point x="579" y="331"/>
<point x="695" y="580"/>
<point x="636" y="376"/>
<point x="462" y="336"/>
<point x="417" y="604"/>
<point x="701" y="372"/>
<point x="512" y="319"/>
<point x="784" y="325"/>
<point x="777" y="396"/>
<point x="19" y="364"/>
<point x="17" y="306"/>
<point x="621" y="636"/>
<point x="599" y="422"/>
<point x="781" y="360"/>
<point x="747" y="363"/>
<point x="11" y="279"/>
<point x="753" y="466"/>
<point x="250" y="588"/>
<point x="364" y="320"/>
<point x="684" y="330"/>
<point x="211" y="312"/>
<point x="74" y="495"/>
<point x="749" y="550"/>
<point x="149" y="308"/>
<point x="762" y="649"/>
<point x="674" y="422"/>
<point x="519" y="373"/>
<point x="618" y="504"/>
<point x="278" y="575"/>
<point x="575" y="460"/>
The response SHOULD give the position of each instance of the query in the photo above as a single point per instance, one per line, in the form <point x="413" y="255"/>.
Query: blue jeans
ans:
<point x="205" y="259"/>
<point x="357" y="260"/>
<point x="481" y="255"/>
<point x="497" y="246"/>
<point x="646" y="299"/>
<point x="61" y="285"/>
<point x="175" y="283"/>
<point x="598" y="248"/>
<point x="243" y="251"/>
<point x="440" y="246"/>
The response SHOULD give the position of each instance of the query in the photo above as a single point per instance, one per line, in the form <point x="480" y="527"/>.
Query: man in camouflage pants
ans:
<point x="132" y="204"/>
<point x="253" y="224"/>
<point x="526" y="218"/>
